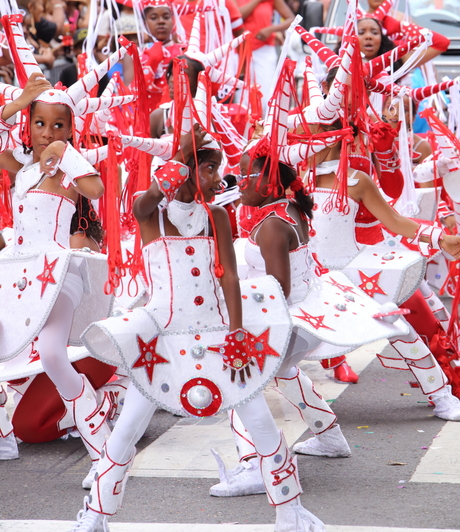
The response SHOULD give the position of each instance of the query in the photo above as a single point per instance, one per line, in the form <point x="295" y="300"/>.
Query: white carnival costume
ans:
<point x="167" y="358"/>
<point x="44" y="281"/>
<point x="165" y="348"/>
<point x="336" y="231"/>
<point x="329" y="309"/>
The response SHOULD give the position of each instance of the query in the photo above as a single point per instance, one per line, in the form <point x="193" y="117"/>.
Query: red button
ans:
<point x="195" y="272"/>
<point x="189" y="250"/>
<point x="199" y="300"/>
<point x="21" y="208"/>
<point x="20" y="240"/>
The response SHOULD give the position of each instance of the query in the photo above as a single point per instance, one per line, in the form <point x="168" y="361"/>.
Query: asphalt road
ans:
<point x="397" y="427"/>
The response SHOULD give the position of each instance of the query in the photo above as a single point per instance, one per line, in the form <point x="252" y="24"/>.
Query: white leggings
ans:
<point x="53" y="338"/>
<point x="138" y="411"/>
<point x="300" y="343"/>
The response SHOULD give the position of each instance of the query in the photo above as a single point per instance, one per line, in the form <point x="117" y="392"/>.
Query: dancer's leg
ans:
<point x="428" y="373"/>
<point x="116" y="458"/>
<point x="78" y="395"/>
<point x="53" y="338"/>
<point x="279" y="469"/>
<point x="298" y="389"/>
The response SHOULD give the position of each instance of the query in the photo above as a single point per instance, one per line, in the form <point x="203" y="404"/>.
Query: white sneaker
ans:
<point x="244" y="479"/>
<point x="331" y="443"/>
<point x="90" y="521"/>
<point x="89" y="479"/>
<point x="446" y="405"/>
<point x="293" y="517"/>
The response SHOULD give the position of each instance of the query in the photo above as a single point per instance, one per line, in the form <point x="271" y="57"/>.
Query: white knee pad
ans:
<point x="301" y="393"/>
<point x="422" y="364"/>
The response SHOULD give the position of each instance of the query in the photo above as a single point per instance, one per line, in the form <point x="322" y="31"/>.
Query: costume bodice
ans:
<point x="185" y="293"/>
<point x="361" y="163"/>
<point x="298" y="261"/>
<point x="41" y="222"/>
<point x="298" y="258"/>
<point x="334" y="240"/>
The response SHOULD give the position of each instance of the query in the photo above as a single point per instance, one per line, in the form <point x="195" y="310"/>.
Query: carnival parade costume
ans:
<point x="310" y="303"/>
<point x="43" y="280"/>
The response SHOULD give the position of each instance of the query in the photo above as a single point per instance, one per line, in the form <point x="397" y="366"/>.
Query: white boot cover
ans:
<point x="293" y="517"/>
<point x="279" y="471"/>
<point x="331" y="443"/>
<point x="8" y="443"/>
<point x="301" y="393"/>
<point x="89" y="521"/>
<point x="244" y="479"/>
<point x="446" y="406"/>
<point x="422" y="364"/>
<point x="90" y="418"/>
<point x="116" y="390"/>
<point x="109" y="484"/>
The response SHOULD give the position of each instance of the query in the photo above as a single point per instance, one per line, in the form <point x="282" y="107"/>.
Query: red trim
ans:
<point x="56" y="222"/>
<point x="160" y="238"/>
<point x="40" y="191"/>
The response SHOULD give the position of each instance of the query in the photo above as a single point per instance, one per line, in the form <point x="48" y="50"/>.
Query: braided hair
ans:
<point x="288" y="177"/>
<point x="86" y="220"/>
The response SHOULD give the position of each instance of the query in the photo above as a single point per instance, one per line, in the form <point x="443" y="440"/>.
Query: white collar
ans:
<point x="189" y="218"/>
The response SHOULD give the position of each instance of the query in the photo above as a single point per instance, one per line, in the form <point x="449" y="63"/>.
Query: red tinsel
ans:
<point x="109" y="175"/>
<point x="6" y="211"/>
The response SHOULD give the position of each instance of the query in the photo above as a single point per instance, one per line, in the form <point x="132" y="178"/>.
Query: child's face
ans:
<point x="209" y="176"/>
<point x="160" y="22"/>
<point x="250" y="177"/>
<point x="192" y="79"/>
<point x="48" y="123"/>
<point x="391" y="112"/>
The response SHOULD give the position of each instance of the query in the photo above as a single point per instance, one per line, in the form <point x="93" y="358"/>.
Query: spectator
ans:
<point x="258" y="17"/>
<point x="44" y="27"/>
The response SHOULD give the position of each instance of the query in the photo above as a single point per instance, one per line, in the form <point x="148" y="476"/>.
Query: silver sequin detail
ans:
<point x="198" y="351"/>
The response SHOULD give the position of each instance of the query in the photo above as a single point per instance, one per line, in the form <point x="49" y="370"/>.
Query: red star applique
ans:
<point x="149" y="357"/>
<point x="261" y="349"/>
<point x="370" y="285"/>
<point x="316" y="321"/>
<point x="47" y="274"/>
<point x="345" y="288"/>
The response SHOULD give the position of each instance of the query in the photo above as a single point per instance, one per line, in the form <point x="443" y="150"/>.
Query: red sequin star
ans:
<point x="149" y="357"/>
<point x="316" y="321"/>
<point x="345" y="288"/>
<point x="261" y="349"/>
<point x="47" y="274"/>
<point x="370" y="285"/>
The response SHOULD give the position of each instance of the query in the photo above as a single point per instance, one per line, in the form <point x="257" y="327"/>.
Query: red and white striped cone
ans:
<point x="159" y="147"/>
<point x="380" y="63"/>
<point x="328" y="110"/>
<point x="327" y="56"/>
<point x="421" y="93"/>
<point x="92" y="105"/>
